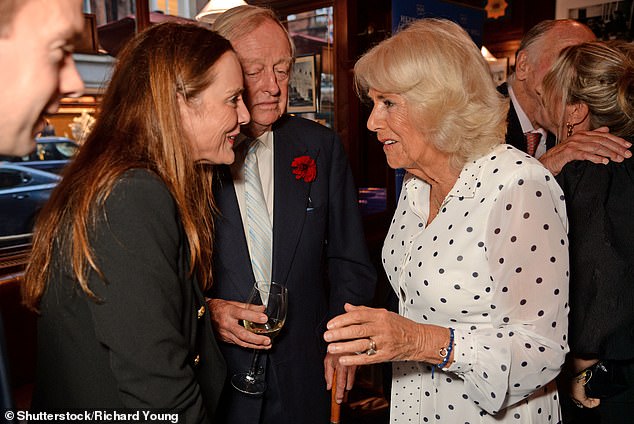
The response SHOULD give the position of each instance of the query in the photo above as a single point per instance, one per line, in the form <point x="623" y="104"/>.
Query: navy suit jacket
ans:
<point x="514" y="132"/>
<point x="319" y="253"/>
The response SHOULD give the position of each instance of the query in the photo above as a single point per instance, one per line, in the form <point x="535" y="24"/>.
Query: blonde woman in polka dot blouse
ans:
<point x="476" y="252"/>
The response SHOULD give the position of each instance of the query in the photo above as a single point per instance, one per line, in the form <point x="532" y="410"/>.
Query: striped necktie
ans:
<point x="259" y="226"/>
<point x="532" y="141"/>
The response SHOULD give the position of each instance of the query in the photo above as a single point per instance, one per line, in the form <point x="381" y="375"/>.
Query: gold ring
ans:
<point x="372" y="349"/>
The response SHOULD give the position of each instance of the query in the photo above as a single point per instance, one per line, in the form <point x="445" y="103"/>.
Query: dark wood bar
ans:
<point x="357" y="26"/>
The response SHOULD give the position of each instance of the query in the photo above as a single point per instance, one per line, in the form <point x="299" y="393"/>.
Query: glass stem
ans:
<point x="254" y="364"/>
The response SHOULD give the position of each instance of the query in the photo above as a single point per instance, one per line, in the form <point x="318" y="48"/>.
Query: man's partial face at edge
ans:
<point x="265" y="56"/>
<point x="37" y="69"/>
<point x="543" y="55"/>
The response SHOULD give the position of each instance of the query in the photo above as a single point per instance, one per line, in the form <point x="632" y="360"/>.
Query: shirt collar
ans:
<point x="266" y="140"/>
<point x="470" y="177"/>
<point x="417" y="192"/>
<point x="468" y="182"/>
<point x="526" y="124"/>
<point x="243" y="141"/>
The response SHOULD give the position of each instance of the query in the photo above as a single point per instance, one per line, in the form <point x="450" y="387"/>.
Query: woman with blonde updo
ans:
<point x="591" y="86"/>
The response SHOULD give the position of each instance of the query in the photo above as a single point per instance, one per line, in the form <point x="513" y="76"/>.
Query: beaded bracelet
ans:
<point x="444" y="353"/>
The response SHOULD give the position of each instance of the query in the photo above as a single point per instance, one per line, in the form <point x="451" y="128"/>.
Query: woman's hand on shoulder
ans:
<point x="597" y="146"/>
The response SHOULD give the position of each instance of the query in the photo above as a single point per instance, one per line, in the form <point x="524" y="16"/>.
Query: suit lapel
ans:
<point x="229" y="224"/>
<point x="291" y="201"/>
<point x="551" y="140"/>
<point x="514" y="132"/>
<point x="515" y="135"/>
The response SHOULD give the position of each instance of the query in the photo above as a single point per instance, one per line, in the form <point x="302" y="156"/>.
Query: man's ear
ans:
<point x="522" y="66"/>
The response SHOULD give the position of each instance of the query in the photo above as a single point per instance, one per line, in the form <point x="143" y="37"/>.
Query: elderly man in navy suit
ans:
<point x="315" y="244"/>
<point x="538" y="50"/>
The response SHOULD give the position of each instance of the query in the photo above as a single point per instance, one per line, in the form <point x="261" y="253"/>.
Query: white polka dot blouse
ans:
<point x="493" y="265"/>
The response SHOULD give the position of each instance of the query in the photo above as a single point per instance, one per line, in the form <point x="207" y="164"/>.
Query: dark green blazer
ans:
<point x="147" y="342"/>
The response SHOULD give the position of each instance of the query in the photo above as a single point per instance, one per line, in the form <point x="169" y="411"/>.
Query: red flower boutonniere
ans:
<point x="304" y="168"/>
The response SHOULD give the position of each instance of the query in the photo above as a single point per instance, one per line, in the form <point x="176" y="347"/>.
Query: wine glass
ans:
<point x="274" y="298"/>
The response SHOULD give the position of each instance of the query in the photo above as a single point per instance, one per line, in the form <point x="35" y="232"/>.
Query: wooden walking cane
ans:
<point x="335" y="408"/>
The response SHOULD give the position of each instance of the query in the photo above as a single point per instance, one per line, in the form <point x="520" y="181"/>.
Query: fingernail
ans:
<point x="327" y="337"/>
<point x="628" y="154"/>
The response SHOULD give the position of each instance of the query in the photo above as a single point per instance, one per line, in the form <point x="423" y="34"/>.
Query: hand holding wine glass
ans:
<point x="273" y="298"/>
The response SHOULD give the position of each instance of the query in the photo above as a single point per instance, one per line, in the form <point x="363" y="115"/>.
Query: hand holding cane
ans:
<point x="335" y="408"/>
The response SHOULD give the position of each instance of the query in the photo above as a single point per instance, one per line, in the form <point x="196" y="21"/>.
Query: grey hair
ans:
<point x="242" y="20"/>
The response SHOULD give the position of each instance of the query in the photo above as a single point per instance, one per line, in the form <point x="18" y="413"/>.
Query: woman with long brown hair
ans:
<point x="122" y="251"/>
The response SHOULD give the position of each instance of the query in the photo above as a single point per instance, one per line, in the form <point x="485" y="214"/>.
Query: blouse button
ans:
<point x="197" y="360"/>
<point x="201" y="312"/>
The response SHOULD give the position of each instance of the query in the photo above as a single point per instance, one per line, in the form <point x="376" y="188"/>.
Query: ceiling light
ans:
<point x="210" y="12"/>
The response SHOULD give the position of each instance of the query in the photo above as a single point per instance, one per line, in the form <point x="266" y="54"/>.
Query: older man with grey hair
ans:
<point x="538" y="50"/>
<point x="310" y="238"/>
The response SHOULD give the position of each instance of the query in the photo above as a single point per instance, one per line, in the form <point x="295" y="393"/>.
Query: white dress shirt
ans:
<point x="527" y="125"/>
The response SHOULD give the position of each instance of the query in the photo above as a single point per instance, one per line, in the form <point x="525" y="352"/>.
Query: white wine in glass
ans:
<point x="274" y="298"/>
<point x="271" y="328"/>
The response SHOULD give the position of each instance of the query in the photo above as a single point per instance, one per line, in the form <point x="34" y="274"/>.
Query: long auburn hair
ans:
<point x="138" y="126"/>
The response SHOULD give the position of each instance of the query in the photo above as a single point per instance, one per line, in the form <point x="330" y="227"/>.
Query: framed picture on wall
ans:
<point x="608" y="20"/>
<point x="302" y="94"/>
